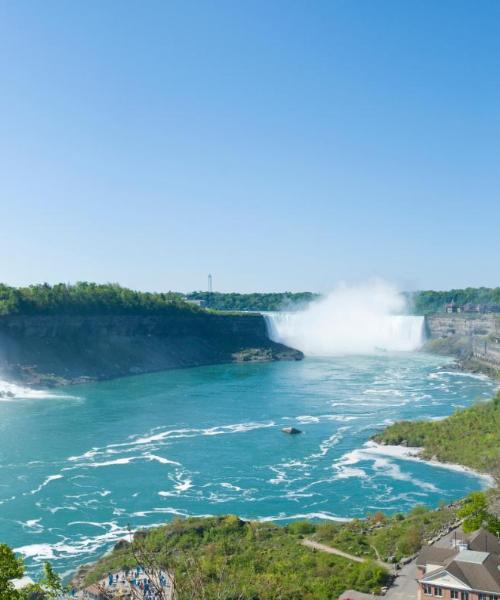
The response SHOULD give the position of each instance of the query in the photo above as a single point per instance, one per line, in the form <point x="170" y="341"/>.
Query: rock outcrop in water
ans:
<point x="57" y="350"/>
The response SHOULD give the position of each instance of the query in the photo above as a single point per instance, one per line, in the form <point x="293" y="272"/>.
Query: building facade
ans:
<point x="468" y="570"/>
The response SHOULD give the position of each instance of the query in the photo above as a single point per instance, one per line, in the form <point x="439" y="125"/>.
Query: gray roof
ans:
<point x="484" y="577"/>
<point x="484" y="541"/>
<point x="436" y="556"/>
<point x="472" y="556"/>
<point x="478" y="566"/>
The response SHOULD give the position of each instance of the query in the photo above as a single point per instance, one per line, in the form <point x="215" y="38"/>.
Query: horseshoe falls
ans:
<point x="351" y="320"/>
<point x="337" y="336"/>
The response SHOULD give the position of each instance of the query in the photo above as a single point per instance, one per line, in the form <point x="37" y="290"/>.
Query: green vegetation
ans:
<point x="111" y="298"/>
<point x="421" y="303"/>
<point x="428" y="302"/>
<point x="11" y="567"/>
<point x="476" y="514"/>
<point x="224" y="557"/>
<point x="387" y="537"/>
<point x="255" y="302"/>
<point x="469" y="437"/>
<point x="88" y="299"/>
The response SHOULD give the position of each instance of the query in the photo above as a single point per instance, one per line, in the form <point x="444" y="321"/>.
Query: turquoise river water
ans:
<point x="80" y="465"/>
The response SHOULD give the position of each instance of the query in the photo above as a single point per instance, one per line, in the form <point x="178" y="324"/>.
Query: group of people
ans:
<point x="137" y="580"/>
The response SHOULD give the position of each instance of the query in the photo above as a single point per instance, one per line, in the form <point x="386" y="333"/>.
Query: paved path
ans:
<point x="331" y="550"/>
<point x="405" y="584"/>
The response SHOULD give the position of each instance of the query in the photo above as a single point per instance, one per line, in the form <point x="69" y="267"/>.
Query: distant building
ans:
<point x="468" y="570"/>
<point x="452" y="307"/>
<point x="470" y="307"/>
<point x="200" y="303"/>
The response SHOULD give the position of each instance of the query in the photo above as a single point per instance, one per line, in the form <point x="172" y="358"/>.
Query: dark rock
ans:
<point x="291" y="430"/>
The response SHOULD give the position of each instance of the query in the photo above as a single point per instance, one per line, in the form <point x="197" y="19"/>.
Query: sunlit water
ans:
<point x="76" y="469"/>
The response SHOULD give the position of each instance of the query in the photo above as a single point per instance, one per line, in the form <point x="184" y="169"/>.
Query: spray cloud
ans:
<point x="359" y="319"/>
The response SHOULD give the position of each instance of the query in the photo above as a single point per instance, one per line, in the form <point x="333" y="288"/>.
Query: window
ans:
<point x="427" y="589"/>
<point x="465" y="596"/>
<point x="454" y="595"/>
<point x="438" y="591"/>
<point x="483" y="597"/>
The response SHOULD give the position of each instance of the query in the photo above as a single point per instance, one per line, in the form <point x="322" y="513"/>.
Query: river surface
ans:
<point x="78" y="466"/>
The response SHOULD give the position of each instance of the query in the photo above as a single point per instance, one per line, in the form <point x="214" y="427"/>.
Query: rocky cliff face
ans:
<point x="56" y="350"/>
<point x="445" y="325"/>
<point x="475" y="339"/>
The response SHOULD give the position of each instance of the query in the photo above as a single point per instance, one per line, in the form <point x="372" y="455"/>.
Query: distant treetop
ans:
<point x="272" y="301"/>
<point x="89" y="299"/>
<point x="111" y="298"/>
<point x="427" y="302"/>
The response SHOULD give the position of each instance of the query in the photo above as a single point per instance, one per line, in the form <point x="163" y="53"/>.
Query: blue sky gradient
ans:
<point x="278" y="145"/>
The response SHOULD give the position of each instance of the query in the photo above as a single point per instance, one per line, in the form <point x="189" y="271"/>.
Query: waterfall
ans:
<point x="359" y="320"/>
<point x="337" y="336"/>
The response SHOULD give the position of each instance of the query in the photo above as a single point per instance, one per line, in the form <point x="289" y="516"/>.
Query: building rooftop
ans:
<point x="472" y="556"/>
<point x="477" y="565"/>
<point x="484" y="577"/>
<point x="436" y="556"/>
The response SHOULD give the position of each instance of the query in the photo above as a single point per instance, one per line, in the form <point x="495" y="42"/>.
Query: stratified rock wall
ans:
<point x="55" y="350"/>
<point x="468" y="336"/>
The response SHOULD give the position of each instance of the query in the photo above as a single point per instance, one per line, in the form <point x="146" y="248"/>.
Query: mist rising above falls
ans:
<point x="351" y="320"/>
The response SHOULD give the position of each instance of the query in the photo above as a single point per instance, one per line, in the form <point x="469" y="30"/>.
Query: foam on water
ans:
<point x="10" y="392"/>
<point x="209" y="441"/>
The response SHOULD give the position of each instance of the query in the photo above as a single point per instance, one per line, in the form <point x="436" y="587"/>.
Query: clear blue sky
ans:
<point x="277" y="144"/>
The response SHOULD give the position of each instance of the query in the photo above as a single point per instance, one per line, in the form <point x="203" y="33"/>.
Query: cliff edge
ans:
<point x="473" y="339"/>
<point x="51" y="350"/>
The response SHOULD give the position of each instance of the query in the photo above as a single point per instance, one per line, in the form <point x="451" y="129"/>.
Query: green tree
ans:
<point x="51" y="582"/>
<point x="11" y="567"/>
<point x="476" y="514"/>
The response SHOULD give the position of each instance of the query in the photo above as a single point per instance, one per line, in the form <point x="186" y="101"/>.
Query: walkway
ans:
<point x="331" y="550"/>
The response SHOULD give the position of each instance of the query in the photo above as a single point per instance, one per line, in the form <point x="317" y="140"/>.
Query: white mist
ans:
<point x="360" y="319"/>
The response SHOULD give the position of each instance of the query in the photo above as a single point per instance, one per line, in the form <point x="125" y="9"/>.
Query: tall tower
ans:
<point x="209" y="295"/>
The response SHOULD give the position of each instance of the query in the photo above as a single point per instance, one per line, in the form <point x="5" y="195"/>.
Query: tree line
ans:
<point x="430" y="301"/>
<point x="86" y="298"/>
<point x="111" y="298"/>
<point x="272" y="301"/>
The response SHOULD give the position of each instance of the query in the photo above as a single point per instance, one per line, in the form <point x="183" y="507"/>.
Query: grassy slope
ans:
<point x="395" y="536"/>
<point x="469" y="437"/>
<point x="247" y="560"/>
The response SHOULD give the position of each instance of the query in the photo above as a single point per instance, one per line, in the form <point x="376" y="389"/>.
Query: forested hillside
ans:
<point x="428" y="302"/>
<point x="85" y="298"/>
<point x="256" y="301"/>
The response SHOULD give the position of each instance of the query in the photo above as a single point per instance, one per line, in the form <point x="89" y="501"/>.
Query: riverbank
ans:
<point x="472" y="339"/>
<point x="375" y="539"/>
<point x="55" y="350"/>
<point x="469" y="437"/>
<point x="416" y="454"/>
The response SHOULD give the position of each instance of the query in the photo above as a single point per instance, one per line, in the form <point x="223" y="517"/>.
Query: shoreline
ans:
<point x="395" y="451"/>
<point x="411" y="453"/>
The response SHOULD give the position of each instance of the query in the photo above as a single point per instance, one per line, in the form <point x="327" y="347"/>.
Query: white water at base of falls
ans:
<point x="317" y="334"/>
<point x="10" y="391"/>
<point x="352" y="319"/>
